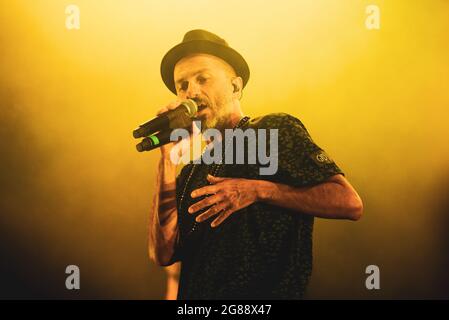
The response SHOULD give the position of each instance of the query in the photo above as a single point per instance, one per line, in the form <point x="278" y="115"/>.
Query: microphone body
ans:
<point x="154" y="141"/>
<point x="180" y="117"/>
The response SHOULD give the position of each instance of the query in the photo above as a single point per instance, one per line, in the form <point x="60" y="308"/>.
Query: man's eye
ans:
<point x="184" y="86"/>
<point x="202" y="80"/>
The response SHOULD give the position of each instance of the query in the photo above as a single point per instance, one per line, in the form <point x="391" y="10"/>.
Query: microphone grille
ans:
<point x="191" y="106"/>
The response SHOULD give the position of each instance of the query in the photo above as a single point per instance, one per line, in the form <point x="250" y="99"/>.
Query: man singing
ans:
<point x="237" y="233"/>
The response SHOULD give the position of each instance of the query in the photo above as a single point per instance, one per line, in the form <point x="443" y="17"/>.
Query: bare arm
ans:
<point x="163" y="228"/>
<point x="163" y="222"/>
<point x="333" y="199"/>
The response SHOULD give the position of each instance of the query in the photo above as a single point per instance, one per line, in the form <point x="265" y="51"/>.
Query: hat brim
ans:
<point x="201" y="46"/>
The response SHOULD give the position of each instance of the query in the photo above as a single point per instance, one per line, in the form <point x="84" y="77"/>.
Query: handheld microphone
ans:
<point x="180" y="117"/>
<point x="154" y="141"/>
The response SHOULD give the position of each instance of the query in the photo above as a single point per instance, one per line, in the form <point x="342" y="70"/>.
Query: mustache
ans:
<point x="201" y="103"/>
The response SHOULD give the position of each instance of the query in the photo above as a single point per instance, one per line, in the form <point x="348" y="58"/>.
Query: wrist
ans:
<point x="265" y="191"/>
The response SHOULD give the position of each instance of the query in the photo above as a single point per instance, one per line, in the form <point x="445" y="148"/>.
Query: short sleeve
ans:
<point x="301" y="161"/>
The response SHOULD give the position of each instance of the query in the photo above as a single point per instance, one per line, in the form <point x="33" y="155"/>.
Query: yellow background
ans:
<point x="75" y="191"/>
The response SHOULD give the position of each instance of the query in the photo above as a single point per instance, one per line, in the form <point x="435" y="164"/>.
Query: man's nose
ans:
<point x="193" y="91"/>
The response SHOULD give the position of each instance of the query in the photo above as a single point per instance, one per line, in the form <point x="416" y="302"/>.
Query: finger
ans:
<point x="206" y="202"/>
<point x="204" y="190"/>
<point x="222" y="217"/>
<point x="213" y="179"/>
<point x="212" y="211"/>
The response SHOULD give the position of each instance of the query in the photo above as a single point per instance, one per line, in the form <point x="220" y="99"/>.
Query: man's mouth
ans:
<point x="201" y="107"/>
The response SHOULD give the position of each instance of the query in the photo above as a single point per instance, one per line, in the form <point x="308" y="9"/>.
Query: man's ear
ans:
<point x="237" y="84"/>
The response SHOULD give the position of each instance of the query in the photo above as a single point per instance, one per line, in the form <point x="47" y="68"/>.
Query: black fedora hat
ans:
<point x="202" y="41"/>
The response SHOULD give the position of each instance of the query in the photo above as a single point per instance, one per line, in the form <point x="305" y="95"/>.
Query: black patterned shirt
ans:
<point x="262" y="251"/>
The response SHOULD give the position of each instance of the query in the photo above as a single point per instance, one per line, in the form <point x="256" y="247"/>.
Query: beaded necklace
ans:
<point x="214" y="170"/>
